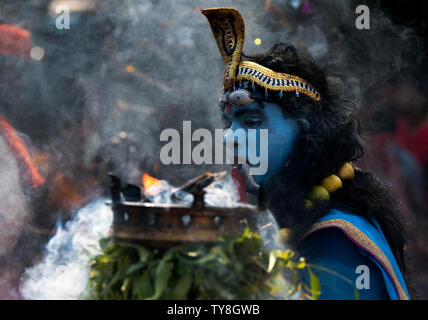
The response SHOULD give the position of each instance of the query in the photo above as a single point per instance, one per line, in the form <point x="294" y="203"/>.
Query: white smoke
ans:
<point x="221" y="193"/>
<point x="14" y="211"/>
<point x="64" y="272"/>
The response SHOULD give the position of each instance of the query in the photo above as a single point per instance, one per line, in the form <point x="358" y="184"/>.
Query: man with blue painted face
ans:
<point x="343" y="220"/>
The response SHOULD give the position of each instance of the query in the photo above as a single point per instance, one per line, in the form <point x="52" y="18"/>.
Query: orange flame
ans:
<point x="149" y="181"/>
<point x="18" y="147"/>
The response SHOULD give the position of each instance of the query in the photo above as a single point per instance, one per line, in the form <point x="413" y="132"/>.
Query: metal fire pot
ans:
<point x="137" y="220"/>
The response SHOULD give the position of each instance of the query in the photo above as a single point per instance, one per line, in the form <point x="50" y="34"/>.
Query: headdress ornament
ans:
<point x="228" y="28"/>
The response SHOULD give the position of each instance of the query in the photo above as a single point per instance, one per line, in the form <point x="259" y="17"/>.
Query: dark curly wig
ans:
<point x="329" y="137"/>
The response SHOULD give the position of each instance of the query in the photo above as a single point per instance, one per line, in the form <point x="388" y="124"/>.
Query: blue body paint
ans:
<point x="282" y="134"/>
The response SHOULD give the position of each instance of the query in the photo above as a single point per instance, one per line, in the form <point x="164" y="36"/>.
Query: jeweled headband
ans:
<point x="228" y="28"/>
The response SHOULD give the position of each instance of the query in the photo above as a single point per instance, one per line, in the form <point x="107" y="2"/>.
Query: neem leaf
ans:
<point x="135" y="267"/>
<point x="288" y="254"/>
<point x="121" y="267"/>
<point x="104" y="242"/>
<point x="207" y="258"/>
<point x="236" y="267"/>
<point x="162" y="275"/>
<point x="182" y="287"/>
<point x="221" y="255"/>
<point x="143" y="253"/>
<point x="248" y="245"/>
<point x="217" y="286"/>
<point x="143" y="286"/>
<point x="315" y="285"/>
<point x="244" y="235"/>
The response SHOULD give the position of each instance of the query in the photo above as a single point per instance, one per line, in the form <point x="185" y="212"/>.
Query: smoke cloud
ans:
<point x="98" y="98"/>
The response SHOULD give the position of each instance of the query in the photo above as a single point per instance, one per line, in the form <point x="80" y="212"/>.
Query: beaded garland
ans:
<point x="329" y="185"/>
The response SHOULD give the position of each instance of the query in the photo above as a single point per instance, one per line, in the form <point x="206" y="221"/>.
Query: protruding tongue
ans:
<point x="239" y="182"/>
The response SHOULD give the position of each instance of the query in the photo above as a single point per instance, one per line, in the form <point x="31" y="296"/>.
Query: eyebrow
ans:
<point x="247" y="111"/>
<point x="260" y="102"/>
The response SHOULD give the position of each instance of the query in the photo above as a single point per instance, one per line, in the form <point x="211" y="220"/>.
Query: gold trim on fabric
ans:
<point x="356" y="234"/>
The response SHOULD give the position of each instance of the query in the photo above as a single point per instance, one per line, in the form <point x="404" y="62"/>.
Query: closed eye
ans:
<point x="252" y="122"/>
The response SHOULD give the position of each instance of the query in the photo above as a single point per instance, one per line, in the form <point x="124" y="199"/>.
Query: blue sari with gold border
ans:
<point x="371" y="242"/>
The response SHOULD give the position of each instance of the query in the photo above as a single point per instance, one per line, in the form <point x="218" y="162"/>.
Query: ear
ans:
<point x="227" y="26"/>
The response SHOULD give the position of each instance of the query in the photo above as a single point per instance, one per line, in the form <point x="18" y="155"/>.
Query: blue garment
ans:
<point x="332" y="250"/>
<point x="343" y="241"/>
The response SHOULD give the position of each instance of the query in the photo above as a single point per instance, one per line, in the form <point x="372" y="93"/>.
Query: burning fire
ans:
<point x="151" y="183"/>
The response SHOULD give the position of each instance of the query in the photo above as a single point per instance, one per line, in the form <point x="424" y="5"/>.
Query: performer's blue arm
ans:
<point x="331" y="249"/>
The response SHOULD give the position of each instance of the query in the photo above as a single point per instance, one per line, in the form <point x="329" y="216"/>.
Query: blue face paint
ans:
<point x="282" y="134"/>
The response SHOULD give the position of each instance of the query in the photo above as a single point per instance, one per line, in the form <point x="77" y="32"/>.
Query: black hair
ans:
<point x="329" y="138"/>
